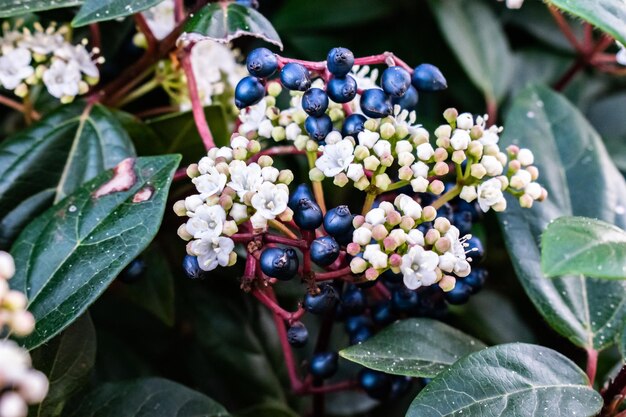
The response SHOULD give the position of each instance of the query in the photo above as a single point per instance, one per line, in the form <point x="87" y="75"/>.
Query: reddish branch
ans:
<point x="143" y="27"/>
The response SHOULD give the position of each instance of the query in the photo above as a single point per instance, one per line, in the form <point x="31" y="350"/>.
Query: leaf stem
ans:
<point x="282" y="228"/>
<point x="318" y="190"/>
<point x="139" y="92"/>
<point x="19" y="107"/>
<point x="453" y="192"/>
<point x="592" y="364"/>
<point x="369" y="202"/>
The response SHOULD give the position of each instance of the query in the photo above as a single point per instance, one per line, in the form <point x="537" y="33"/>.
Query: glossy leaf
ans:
<point x="581" y="180"/>
<point x="479" y="43"/>
<point x="68" y="256"/>
<point x="51" y="159"/>
<point x="146" y="397"/>
<point x="100" y="10"/>
<point x="225" y="21"/>
<point x="509" y="380"/>
<point x="413" y="347"/>
<point x="579" y="245"/>
<point x="18" y="7"/>
<point x="607" y="15"/>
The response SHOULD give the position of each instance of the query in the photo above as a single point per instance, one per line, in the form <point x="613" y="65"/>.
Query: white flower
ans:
<point x="514" y="4"/>
<point x="489" y="193"/>
<point x="79" y="55"/>
<point x="244" y="178"/>
<point x="490" y="136"/>
<point x="468" y="193"/>
<point x="460" y="140"/>
<point x="355" y="172"/>
<point x="160" y="19"/>
<point x="15" y="67"/>
<point x="265" y="129"/>
<point x="368" y="138"/>
<point x="492" y="165"/>
<point x="408" y="206"/>
<point x="270" y="174"/>
<point x="42" y="43"/>
<point x="292" y="131"/>
<point x="465" y="121"/>
<point x="212" y="252"/>
<point x="534" y="190"/>
<point x="415" y="237"/>
<point x="456" y="254"/>
<point x="207" y="222"/>
<point x="425" y="151"/>
<point x="420" y="169"/>
<point x="403" y="146"/>
<point x="62" y="79"/>
<point x="210" y="183"/>
<point x="224" y="152"/>
<point x="364" y="77"/>
<point x="525" y="157"/>
<point x="270" y="200"/>
<point x="193" y="202"/>
<point x="418" y="267"/>
<point x="239" y="212"/>
<point x="205" y="164"/>
<point x="336" y="158"/>
<point x="376" y="216"/>
<point x="251" y="117"/>
<point x="382" y="147"/>
<point x="376" y="257"/>
<point x="239" y="142"/>
<point x="362" y="236"/>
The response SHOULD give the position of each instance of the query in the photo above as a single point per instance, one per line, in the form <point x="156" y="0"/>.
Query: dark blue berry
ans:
<point x="395" y="81"/>
<point x="338" y="221"/>
<point x="360" y="335"/>
<point x="459" y="294"/>
<point x="324" y="250"/>
<point x="295" y="77"/>
<point x="472" y="207"/>
<point x="279" y="263"/>
<point x="249" y="91"/>
<point x="353" y="301"/>
<point x="426" y="381"/>
<point x="382" y="314"/>
<point x="399" y="386"/>
<point x="192" y="268"/>
<point x="323" y="302"/>
<point x="366" y="284"/>
<point x="314" y="102"/>
<point x="318" y="127"/>
<point x="446" y="211"/>
<point x="392" y="277"/>
<point x="474" y="250"/>
<point x="376" y="384"/>
<point x="354" y="323"/>
<point x="307" y="214"/>
<point x="431" y="303"/>
<point x="340" y="61"/>
<point x="463" y="221"/>
<point x="133" y="271"/>
<point x="476" y="279"/>
<point x="427" y="77"/>
<point x="375" y="103"/>
<point x="302" y="191"/>
<point x="404" y="300"/>
<point x="342" y="89"/>
<point x="408" y="101"/>
<point x="353" y="124"/>
<point x="262" y="63"/>
<point x="297" y="335"/>
<point x="324" y="364"/>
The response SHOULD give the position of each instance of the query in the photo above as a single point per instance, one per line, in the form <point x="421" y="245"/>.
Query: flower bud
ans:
<point x="358" y="221"/>
<point x="379" y="232"/>
<point x="371" y="163"/>
<point x="447" y="283"/>
<point x="395" y="260"/>
<point x="405" y="173"/>
<point x="534" y="172"/>
<point x="361" y="152"/>
<point x="274" y="88"/>
<point x="478" y="171"/>
<point x="192" y="171"/>
<point x="443" y="131"/>
<point x="358" y="265"/>
<point x="464" y="121"/>
<point x="232" y="258"/>
<point x="476" y="132"/>
<point x="311" y="146"/>
<point x="182" y="233"/>
<point x="429" y="213"/>
<point x="254" y="146"/>
<point x="407" y="223"/>
<point x="286" y="216"/>
<point x="525" y="157"/>
<point x="443" y="142"/>
<point x="443" y="245"/>
<point x="526" y="201"/>
<point x="436" y="187"/>
<point x="387" y="130"/>
<point x="362" y="184"/>
<point x="285" y="176"/>
<point x="362" y="236"/>
<point x="450" y="115"/>
<point x="500" y="205"/>
<point x="394" y="218"/>
<point x="441" y="169"/>
<point x="432" y="236"/>
<point x="475" y="149"/>
<point x="353" y="248"/>
<point x="401" y="131"/>
<point x="468" y="193"/>
<point x="14" y="301"/>
<point x="371" y="125"/>
<point x="371" y="273"/>
<point x="458" y="157"/>
<point x="341" y="179"/>
<point x="230" y="228"/>
<point x="419" y="185"/>
<point x="336" y="114"/>
<point x="442" y="225"/>
<point x="425" y="151"/>
<point x="390" y="244"/>
<point x="226" y="202"/>
<point x="22" y="323"/>
<point x="316" y="175"/>
<point x="386" y="160"/>
<point x="382" y="181"/>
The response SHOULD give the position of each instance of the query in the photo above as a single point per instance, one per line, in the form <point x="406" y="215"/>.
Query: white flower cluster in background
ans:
<point x="513" y="4"/>
<point x="387" y="237"/>
<point x="31" y="57"/>
<point x="20" y="384"/>
<point x="231" y="192"/>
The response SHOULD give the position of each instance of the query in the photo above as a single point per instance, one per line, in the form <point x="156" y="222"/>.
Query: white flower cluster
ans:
<point x="387" y="237"/>
<point x="231" y="192"/>
<point x="44" y="55"/>
<point x="513" y="4"/>
<point x="20" y="384"/>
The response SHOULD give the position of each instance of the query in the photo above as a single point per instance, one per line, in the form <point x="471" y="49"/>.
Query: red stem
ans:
<point x="290" y="363"/>
<point x="180" y="174"/>
<point x="565" y="28"/>
<point x="198" y="110"/>
<point x="285" y="241"/>
<point x="340" y="273"/>
<point x="592" y="364"/>
<point x="243" y="238"/>
<point x="141" y="23"/>
<point x="96" y="38"/>
<point x="268" y="302"/>
<point x="336" y="387"/>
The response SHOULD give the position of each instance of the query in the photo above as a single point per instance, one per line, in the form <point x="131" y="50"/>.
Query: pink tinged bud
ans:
<point x="442" y="224"/>
<point x="534" y="172"/>
<point x="526" y="201"/>
<point x="440" y="155"/>
<point x="353" y="248"/>
<point x="419" y="184"/>
<point x="394" y="218"/>
<point x="182" y="233"/>
<point x="429" y="213"/>
<point x="358" y="265"/>
<point x="22" y="323"/>
<point x="447" y="283"/>
<point x="443" y="245"/>
<point x="379" y="232"/>
<point x="286" y="216"/>
<point x="192" y="171"/>
<point x="390" y="244"/>
<point x="254" y="146"/>
<point x="443" y="142"/>
<point x="441" y="168"/>
<point x="226" y="202"/>
<point x="478" y="171"/>
<point x="358" y="221"/>
<point x="544" y="195"/>
<point x="189" y="250"/>
<point x="371" y="274"/>
<point x="14" y="301"/>
<point x="407" y="223"/>
<point x="340" y="180"/>
<point x="432" y="236"/>
<point x="12" y="405"/>
<point x="443" y="131"/>
<point x="395" y="260"/>
<point x="458" y="156"/>
<point x="229" y="191"/>
<point x="476" y="132"/>
<point x="475" y="149"/>
<point x="179" y="208"/>
<point x="33" y="387"/>
<point x="405" y="173"/>
<point x="515" y="166"/>
<point x="386" y="160"/>
<point x="230" y="228"/>
<point x="512" y="149"/>
<point x="436" y="187"/>
<point x="362" y="184"/>
<point x="212" y="200"/>
<point x="223" y="168"/>
<point x="450" y="115"/>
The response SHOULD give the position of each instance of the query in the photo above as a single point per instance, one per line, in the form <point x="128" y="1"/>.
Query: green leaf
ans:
<point x="146" y="397"/>
<point x="612" y="129"/>
<point x="479" y="43"/>
<point x="413" y="347"/>
<point x="67" y="362"/>
<point x="509" y="380"/>
<point x="225" y="21"/>
<point x="100" y="10"/>
<point x="607" y="15"/>
<point x="583" y="246"/>
<point x="581" y="180"/>
<point x="40" y="165"/>
<point x="68" y="256"/>
<point x="18" y="7"/>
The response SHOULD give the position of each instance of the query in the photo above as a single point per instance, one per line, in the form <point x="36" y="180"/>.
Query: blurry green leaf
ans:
<point x="509" y="380"/>
<point x="581" y="180"/>
<point x="19" y="7"/>
<point x="68" y="256"/>
<point x="607" y="15"/>
<point x="267" y="410"/>
<point x="479" y="42"/>
<point x="225" y="21"/>
<point x="601" y="114"/>
<point x="583" y="246"/>
<point x="413" y="347"/>
<point x="99" y="10"/>
<point x="146" y="397"/>
<point x="533" y="66"/>
<point x="52" y="158"/>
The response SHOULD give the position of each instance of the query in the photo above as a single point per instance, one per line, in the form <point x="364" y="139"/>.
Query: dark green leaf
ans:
<point x="68" y="256"/>
<point x="608" y="15"/>
<point x="612" y="129"/>
<point x="509" y="380"/>
<point x="413" y="347"/>
<point x="225" y="21"/>
<point x="581" y="180"/>
<point x="52" y="158"/>
<point x="478" y="41"/>
<point x="583" y="246"/>
<point x="146" y="397"/>
<point x="18" y="7"/>
<point x="267" y="410"/>
<point x="100" y="10"/>
<point x="67" y="361"/>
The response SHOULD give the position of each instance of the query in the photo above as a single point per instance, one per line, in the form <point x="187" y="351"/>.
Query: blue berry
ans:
<point x="395" y="81"/>
<point x="262" y="63"/>
<point x="431" y="303"/>
<point x="354" y="323"/>
<point x="399" y="386"/>
<point x="342" y="89"/>
<point x="340" y="61"/>
<point x="472" y="207"/>
<point x="474" y="250"/>
<point x="353" y="301"/>
<point x="427" y="77"/>
<point x="322" y="303"/>
<point x="463" y="221"/>
<point x="338" y="221"/>
<point x="353" y="124"/>
<point x="249" y="91"/>
<point x="375" y="103"/>
<point x="382" y="314"/>
<point x="314" y="102"/>
<point x="133" y="271"/>
<point x="459" y="294"/>
<point x="307" y="214"/>
<point x="391" y="277"/>
<point x="302" y="191"/>
<point x="360" y="335"/>
<point x="318" y="127"/>
<point x="324" y="250"/>
<point x="404" y="300"/>
<point x="298" y="335"/>
<point x="279" y="263"/>
<point x="192" y="268"/>
<point x="446" y="211"/>
<point x="376" y="384"/>
<point x="295" y="77"/>
<point x="408" y="101"/>
<point x="476" y="279"/>
<point x="324" y="364"/>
